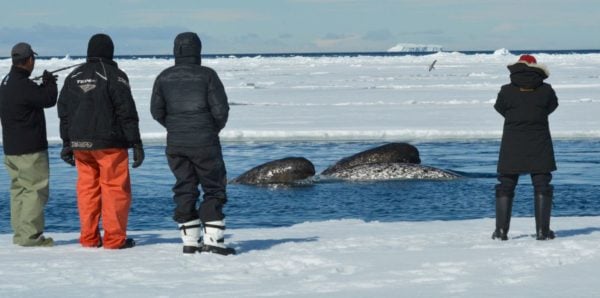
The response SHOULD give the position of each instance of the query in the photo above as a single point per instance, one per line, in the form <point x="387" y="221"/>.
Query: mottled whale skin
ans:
<point x="388" y="153"/>
<point x="281" y="171"/>
<point x="392" y="171"/>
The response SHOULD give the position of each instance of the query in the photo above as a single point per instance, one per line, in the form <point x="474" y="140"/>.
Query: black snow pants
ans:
<point x="198" y="166"/>
<point x="508" y="182"/>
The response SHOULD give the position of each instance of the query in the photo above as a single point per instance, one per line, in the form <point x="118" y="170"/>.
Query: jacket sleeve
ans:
<point x="41" y="96"/>
<point x="157" y="103"/>
<point x="217" y="101"/>
<point x="500" y="104"/>
<point x="63" y="111"/>
<point x="124" y="106"/>
<point x="552" y="102"/>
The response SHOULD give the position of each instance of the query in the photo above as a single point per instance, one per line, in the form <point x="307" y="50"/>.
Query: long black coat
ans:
<point x="525" y="104"/>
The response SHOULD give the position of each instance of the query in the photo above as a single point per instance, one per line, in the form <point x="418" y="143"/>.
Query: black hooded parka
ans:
<point x="189" y="99"/>
<point x="525" y="104"/>
<point x="95" y="106"/>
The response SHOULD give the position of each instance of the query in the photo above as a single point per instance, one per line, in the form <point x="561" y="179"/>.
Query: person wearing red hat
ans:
<point x="526" y="145"/>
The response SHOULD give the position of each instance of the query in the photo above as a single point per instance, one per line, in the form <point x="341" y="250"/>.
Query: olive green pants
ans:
<point x="28" y="196"/>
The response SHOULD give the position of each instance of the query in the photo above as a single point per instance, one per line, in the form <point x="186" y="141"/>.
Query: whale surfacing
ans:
<point x="281" y="171"/>
<point x="392" y="171"/>
<point x="388" y="153"/>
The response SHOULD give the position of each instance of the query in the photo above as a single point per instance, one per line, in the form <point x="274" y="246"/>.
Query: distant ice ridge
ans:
<point x="411" y="47"/>
<point x="236" y="135"/>
<point x="502" y="52"/>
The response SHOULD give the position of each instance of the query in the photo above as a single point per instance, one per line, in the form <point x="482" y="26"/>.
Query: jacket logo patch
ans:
<point x="82" y="144"/>
<point x="87" y="87"/>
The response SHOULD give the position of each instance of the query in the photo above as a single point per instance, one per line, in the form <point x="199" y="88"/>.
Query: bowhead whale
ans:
<point x="282" y="171"/>
<point x="388" y="153"/>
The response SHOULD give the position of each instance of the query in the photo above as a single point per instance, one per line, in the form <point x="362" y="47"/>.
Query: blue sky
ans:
<point x="61" y="27"/>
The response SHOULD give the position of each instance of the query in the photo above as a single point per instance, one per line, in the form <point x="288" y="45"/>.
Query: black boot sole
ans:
<point x="225" y="251"/>
<point x="188" y="250"/>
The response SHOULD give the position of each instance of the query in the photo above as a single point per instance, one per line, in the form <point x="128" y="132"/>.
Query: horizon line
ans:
<point x="391" y="53"/>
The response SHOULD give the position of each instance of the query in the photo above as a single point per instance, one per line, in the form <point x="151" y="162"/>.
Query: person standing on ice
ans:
<point x="189" y="100"/>
<point x="526" y="145"/>
<point x="22" y="104"/>
<point x="98" y="123"/>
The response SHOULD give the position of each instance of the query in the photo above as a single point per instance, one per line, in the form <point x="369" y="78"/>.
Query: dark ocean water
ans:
<point x="577" y="184"/>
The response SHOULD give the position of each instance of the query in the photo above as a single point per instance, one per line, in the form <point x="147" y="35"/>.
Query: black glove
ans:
<point x="48" y="78"/>
<point x="138" y="155"/>
<point x="67" y="155"/>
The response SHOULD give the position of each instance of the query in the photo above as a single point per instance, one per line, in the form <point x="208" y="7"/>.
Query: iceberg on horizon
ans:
<point x="411" y="47"/>
<point x="502" y="52"/>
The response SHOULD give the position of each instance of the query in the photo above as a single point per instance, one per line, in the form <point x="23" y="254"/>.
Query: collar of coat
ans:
<point x="101" y="59"/>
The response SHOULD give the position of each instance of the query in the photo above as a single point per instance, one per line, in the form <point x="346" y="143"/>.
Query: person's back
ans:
<point x="22" y="104"/>
<point x="195" y="100"/>
<point x="189" y="100"/>
<point x="97" y="99"/>
<point x="525" y="104"/>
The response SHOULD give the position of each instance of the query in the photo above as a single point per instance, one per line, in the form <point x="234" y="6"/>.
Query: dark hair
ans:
<point x="21" y="61"/>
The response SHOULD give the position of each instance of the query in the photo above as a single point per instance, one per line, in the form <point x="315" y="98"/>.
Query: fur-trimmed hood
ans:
<point x="538" y="66"/>
<point x="528" y="75"/>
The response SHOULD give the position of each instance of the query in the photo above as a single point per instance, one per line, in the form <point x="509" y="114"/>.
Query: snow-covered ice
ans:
<point x="368" y="97"/>
<point x="342" y="258"/>
<point x="342" y="98"/>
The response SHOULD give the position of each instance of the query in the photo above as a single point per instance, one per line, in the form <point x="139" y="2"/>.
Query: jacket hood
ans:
<point x="187" y="44"/>
<point x="100" y="46"/>
<point x="525" y="76"/>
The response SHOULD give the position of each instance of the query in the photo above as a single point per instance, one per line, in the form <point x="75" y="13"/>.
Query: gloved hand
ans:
<point x="138" y="155"/>
<point x="67" y="155"/>
<point x="49" y="78"/>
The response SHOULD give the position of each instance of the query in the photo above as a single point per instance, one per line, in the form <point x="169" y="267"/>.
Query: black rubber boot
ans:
<point x="129" y="243"/>
<point x="504" y="202"/>
<point x="543" y="210"/>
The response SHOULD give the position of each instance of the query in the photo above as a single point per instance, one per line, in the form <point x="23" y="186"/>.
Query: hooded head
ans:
<point x="187" y="45"/>
<point x="100" y="46"/>
<point x="527" y="73"/>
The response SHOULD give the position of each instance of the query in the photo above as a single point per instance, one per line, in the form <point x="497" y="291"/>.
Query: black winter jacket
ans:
<point x="22" y="104"/>
<point x="190" y="101"/>
<point x="96" y="108"/>
<point x="525" y="104"/>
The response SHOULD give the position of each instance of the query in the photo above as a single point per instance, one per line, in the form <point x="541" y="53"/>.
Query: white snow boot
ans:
<point x="190" y="234"/>
<point x="214" y="238"/>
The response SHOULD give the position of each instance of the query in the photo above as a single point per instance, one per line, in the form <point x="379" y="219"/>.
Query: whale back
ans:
<point x="280" y="171"/>
<point x="389" y="153"/>
<point x="391" y="171"/>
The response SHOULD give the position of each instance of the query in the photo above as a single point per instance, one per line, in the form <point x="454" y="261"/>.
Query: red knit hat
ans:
<point x="527" y="59"/>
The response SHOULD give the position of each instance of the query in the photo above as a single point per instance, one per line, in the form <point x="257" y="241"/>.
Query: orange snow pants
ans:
<point x="103" y="191"/>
